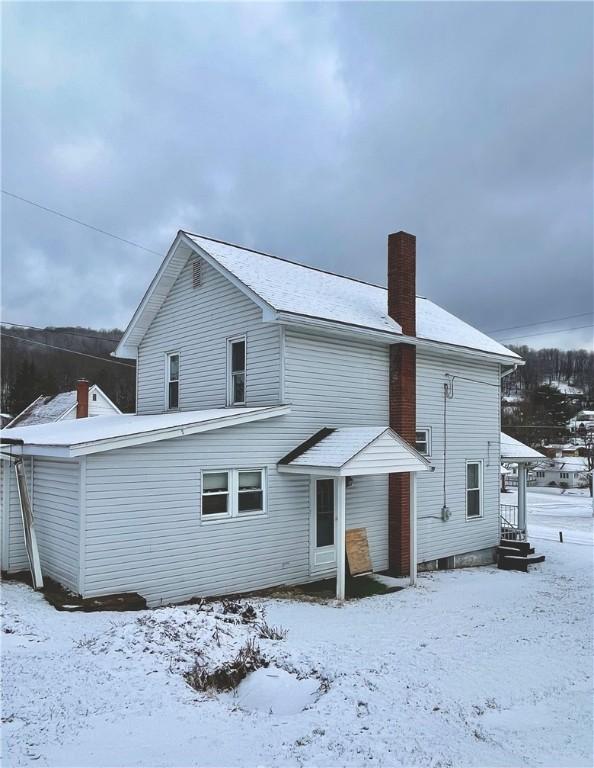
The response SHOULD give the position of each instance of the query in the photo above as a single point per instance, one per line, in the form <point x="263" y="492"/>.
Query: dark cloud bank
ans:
<point x="310" y="131"/>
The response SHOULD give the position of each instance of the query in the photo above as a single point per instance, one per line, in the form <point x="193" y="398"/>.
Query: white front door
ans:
<point x="323" y="528"/>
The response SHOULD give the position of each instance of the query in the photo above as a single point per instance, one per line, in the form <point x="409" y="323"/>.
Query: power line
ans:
<point x="57" y="329"/>
<point x="539" y="322"/>
<point x="82" y="223"/>
<point x="548" y="333"/>
<point x="63" y="349"/>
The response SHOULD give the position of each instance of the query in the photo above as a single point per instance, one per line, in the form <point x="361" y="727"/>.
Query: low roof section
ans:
<point x="79" y="437"/>
<point x="514" y="450"/>
<point x="354" y="451"/>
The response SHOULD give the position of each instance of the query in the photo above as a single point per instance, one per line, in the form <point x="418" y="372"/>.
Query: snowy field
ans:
<point x="472" y="668"/>
<point x="551" y="510"/>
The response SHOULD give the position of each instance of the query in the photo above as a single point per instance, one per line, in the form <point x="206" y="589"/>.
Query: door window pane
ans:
<point x="324" y="513"/>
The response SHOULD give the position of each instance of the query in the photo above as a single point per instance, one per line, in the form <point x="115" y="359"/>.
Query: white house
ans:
<point x="563" y="472"/>
<point x="79" y="403"/>
<point x="277" y="406"/>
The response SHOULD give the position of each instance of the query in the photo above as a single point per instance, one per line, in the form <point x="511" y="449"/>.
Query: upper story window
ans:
<point x="172" y="380"/>
<point x="474" y="489"/>
<point x="236" y="371"/>
<point x="423" y="441"/>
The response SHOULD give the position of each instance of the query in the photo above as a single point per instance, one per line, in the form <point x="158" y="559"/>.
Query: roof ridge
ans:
<point x="288" y="261"/>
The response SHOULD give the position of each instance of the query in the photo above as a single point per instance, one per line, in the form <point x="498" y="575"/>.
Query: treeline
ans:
<point x="31" y="365"/>
<point x="571" y="367"/>
<point x="540" y="397"/>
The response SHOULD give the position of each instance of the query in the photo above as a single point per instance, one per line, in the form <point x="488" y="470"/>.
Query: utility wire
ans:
<point x="539" y="322"/>
<point x="82" y="223"/>
<point x="58" y="330"/>
<point x="63" y="349"/>
<point x="548" y="333"/>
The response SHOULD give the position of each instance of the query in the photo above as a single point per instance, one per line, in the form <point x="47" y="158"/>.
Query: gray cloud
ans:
<point x="307" y="130"/>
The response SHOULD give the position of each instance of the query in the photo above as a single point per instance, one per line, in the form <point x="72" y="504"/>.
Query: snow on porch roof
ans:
<point x="354" y="451"/>
<point x="514" y="450"/>
<point x="78" y="437"/>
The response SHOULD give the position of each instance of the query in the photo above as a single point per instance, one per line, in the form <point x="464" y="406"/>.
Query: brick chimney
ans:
<point x="82" y="399"/>
<point x="403" y="388"/>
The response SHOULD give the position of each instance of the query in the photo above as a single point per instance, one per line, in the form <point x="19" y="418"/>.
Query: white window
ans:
<point x="540" y="474"/>
<point x="236" y="371"/>
<point x="172" y="380"/>
<point x="94" y="397"/>
<point x="474" y="489"/>
<point x="232" y="493"/>
<point x="423" y="441"/>
<point x="564" y="475"/>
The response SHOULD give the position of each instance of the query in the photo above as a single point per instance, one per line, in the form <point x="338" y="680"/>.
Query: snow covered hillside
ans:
<point x="472" y="668"/>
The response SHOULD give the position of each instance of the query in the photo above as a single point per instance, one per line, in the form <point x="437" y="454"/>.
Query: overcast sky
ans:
<point x="309" y="131"/>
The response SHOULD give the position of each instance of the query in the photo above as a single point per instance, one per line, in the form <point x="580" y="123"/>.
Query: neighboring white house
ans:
<point x="563" y="472"/>
<point x="83" y="401"/>
<point x="276" y="406"/>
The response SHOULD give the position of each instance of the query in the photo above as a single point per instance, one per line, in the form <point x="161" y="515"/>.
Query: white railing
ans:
<point x="508" y="517"/>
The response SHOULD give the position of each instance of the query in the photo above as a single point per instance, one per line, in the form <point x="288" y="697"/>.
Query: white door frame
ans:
<point x="321" y="558"/>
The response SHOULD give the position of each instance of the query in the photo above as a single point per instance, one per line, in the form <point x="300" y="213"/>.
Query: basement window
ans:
<point x="232" y="493"/>
<point x="172" y="376"/>
<point x="423" y="441"/>
<point x="236" y="349"/>
<point x="474" y="489"/>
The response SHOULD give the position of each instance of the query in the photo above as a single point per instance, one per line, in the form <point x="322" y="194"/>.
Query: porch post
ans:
<point x="340" y="537"/>
<point x="522" y="497"/>
<point x="413" y="528"/>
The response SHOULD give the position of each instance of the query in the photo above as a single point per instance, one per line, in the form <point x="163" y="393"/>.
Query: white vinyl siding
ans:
<point x="56" y="506"/>
<point x="144" y="530"/>
<point x="197" y="324"/>
<point x="472" y="434"/>
<point x="54" y="488"/>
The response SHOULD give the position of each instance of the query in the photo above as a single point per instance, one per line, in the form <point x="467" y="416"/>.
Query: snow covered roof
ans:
<point x="354" y="451"/>
<point x="78" y="437"/>
<point x="50" y="408"/>
<point x="292" y="292"/>
<point x="570" y="463"/>
<point x="512" y="449"/>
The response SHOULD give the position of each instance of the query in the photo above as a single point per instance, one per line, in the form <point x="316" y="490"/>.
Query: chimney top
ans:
<point x="402" y="256"/>
<point x="82" y="399"/>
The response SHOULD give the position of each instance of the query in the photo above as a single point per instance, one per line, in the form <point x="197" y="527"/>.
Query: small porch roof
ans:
<point x="514" y="450"/>
<point x="351" y="451"/>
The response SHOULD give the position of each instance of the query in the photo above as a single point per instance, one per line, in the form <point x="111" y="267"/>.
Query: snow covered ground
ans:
<point x="551" y="510"/>
<point x="474" y="667"/>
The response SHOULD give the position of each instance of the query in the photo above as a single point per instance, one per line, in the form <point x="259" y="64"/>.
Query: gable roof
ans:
<point x="514" y="450"/>
<point x="354" y="451"/>
<point x="292" y="292"/>
<point x="50" y="408"/>
<point x="78" y="437"/>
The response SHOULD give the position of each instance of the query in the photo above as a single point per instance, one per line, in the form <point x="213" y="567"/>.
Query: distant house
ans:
<point x="78" y="403"/>
<point x="562" y="471"/>
<point x="582" y="420"/>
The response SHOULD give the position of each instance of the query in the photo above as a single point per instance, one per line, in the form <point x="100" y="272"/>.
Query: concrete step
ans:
<point x="518" y="562"/>
<point x="523" y="547"/>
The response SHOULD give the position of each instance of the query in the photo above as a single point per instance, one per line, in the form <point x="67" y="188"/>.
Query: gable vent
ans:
<point x="196" y="273"/>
